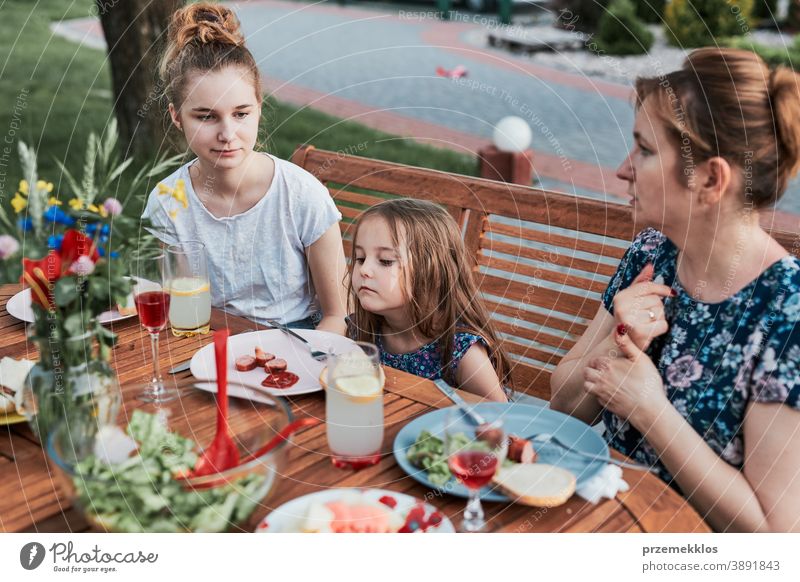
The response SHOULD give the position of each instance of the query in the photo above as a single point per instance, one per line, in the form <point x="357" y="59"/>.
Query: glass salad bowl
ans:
<point x="128" y="467"/>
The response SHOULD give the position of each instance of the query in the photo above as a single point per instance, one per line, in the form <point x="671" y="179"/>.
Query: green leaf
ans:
<point x="74" y="325"/>
<point x="66" y="291"/>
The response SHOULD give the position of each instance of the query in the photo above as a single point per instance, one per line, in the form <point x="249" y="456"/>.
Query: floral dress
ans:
<point x="716" y="358"/>
<point x="427" y="360"/>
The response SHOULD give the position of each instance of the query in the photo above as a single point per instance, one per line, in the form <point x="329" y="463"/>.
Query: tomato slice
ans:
<point x="280" y="380"/>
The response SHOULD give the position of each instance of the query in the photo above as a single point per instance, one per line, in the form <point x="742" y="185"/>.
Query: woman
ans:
<point x="270" y="228"/>
<point x="692" y="361"/>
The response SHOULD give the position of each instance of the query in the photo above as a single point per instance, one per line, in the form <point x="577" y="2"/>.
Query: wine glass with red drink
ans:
<point x="474" y="454"/>
<point x="151" y="295"/>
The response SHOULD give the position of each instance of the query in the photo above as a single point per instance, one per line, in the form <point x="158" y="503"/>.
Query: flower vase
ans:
<point x="68" y="374"/>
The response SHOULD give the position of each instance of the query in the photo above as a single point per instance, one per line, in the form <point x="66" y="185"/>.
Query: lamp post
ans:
<point x="509" y="158"/>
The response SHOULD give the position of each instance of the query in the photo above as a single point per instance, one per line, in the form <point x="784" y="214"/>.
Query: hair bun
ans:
<point x="784" y="94"/>
<point x="205" y="23"/>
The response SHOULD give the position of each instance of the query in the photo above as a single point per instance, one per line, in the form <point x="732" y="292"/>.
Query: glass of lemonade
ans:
<point x="189" y="289"/>
<point x="354" y="407"/>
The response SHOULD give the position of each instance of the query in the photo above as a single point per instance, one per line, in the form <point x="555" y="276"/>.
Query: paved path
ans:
<point x="377" y="66"/>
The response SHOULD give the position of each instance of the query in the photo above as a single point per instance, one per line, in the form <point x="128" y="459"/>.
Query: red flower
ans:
<point x="41" y="275"/>
<point x="77" y="245"/>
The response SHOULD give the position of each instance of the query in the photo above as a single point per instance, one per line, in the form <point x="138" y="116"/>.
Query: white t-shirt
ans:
<point x="256" y="261"/>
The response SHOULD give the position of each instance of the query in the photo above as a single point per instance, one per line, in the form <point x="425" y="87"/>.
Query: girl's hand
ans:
<point x="641" y="310"/>
<point x="629" y="386"/>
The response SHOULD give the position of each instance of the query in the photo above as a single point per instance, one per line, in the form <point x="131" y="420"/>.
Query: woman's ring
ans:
<point x="651" y="314"/>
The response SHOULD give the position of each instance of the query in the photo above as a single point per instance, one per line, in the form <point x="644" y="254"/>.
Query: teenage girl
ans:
<point x="270" y="229"/>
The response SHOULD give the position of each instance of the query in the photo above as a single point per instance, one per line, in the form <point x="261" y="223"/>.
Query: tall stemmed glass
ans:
<point x="152" y="304"/>
<point x="474" y="454"/>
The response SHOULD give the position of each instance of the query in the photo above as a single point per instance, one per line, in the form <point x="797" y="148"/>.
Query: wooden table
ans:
<point x="30" y="499"/>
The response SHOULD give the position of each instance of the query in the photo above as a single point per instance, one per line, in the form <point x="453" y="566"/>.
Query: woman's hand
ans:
<point x="630" y="386"/>
<point x="641" y="310"/>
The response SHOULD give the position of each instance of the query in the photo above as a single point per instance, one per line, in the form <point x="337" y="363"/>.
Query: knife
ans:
<point x="451" y="393"/>
<point x="182" y="367"/>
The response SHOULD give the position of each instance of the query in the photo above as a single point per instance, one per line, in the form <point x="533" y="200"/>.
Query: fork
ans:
<point x="318" y="355"/>
<point x="546" y="438"/>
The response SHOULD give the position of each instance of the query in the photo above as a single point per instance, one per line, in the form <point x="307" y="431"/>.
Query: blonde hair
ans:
<point x="203" y="37"/>
<point x="439" y="284"/>
<point x="728" y="103"/>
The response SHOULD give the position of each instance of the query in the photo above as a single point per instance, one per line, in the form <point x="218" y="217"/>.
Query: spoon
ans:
<point x="222" y="454"/>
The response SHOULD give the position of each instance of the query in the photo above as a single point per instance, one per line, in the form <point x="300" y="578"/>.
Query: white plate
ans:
<point x="288" y="517"/>
<point x="20" y="307"/>
<point x="276" y="342"/>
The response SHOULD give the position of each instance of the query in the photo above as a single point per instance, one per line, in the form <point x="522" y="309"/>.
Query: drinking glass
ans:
<point x="354" y="407"/>
<point x="189" y="289"/>
<point x="474" y="454"/>
<point x="152" y="304"/>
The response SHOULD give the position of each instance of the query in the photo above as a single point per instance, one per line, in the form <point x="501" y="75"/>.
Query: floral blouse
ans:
<point x="427" y="360"/>
<point x="716" y="357"/>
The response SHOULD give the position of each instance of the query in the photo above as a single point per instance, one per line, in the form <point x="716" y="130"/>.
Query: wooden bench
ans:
<point x="542" y="258"/>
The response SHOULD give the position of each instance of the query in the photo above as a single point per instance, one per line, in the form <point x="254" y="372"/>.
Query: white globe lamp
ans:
<point x="512" y="134"/>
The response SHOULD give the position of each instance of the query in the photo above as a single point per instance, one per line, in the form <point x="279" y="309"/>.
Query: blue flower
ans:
<point x="54" y="241"/>
<point x="105" y="230"/>
<point x="91" y="228"/>
<point x="25" y="224"/>
<point x="102" y="252"/>
<point x="55" y="214"/>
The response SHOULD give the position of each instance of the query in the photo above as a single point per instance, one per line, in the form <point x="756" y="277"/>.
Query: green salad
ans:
<point x="428" y="453"/>
<point x="140" y="493"/>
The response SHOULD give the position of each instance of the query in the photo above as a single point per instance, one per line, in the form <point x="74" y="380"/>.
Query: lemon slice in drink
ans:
<point x="188" y="286"/>
<point x="360" y="388"/>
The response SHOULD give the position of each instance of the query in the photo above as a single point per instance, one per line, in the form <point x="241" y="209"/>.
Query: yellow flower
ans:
<point x="102" y="211"/>
<point x="173" y="214"/>
<point x="179" y="194"/>
<point x="18" y="203"/>
<point x="42" y="185"/>
<point x="23" y="187"/>
<point x="164" y="189"/>
<point x="54" y="201"/>
<point x="76" y="204"/>
<point x="93" y="208"/>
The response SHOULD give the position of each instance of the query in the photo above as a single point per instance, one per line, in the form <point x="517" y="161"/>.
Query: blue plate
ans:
<point x="520" y="419"/>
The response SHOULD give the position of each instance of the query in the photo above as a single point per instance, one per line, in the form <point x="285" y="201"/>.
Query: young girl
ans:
<point x="415" y="298"/>
<point x="266" y="223"/>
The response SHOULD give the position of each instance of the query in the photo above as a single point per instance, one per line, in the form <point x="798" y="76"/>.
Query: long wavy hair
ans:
<point x="439" y="285"/>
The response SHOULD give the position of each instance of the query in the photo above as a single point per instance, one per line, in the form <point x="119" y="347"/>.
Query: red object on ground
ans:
<point x="512" y="167"/>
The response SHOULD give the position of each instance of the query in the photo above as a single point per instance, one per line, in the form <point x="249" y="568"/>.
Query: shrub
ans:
<point x="787" y="56"/>
<point x="693" y="23"/>
<point x="765" y="9"/>
<point x="651" y="11"/>
<point x="620" y="31"/>
<point x="580" y="14"/>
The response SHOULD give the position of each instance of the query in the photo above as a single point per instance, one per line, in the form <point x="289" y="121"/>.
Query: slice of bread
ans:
<point x="536" y="484"/>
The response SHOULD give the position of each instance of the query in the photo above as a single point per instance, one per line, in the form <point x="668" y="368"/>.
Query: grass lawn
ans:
<point x="54" y="93"/>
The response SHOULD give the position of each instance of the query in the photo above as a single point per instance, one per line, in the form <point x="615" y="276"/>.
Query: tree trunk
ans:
<point x="135" y="32"/>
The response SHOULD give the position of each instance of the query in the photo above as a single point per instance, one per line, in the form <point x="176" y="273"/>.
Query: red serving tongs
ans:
<point x="222" y="454"/>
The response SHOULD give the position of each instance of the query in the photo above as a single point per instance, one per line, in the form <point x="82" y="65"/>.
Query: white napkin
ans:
<point x="607" y="483"/>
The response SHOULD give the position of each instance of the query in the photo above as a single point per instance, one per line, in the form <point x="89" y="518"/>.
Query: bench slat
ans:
<point x="538" y="273"/>
<point x="576" y="244"/>
<point x="545" y="256"/>
<point x="541" y="296"/>
<point x="550" y="320"/>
